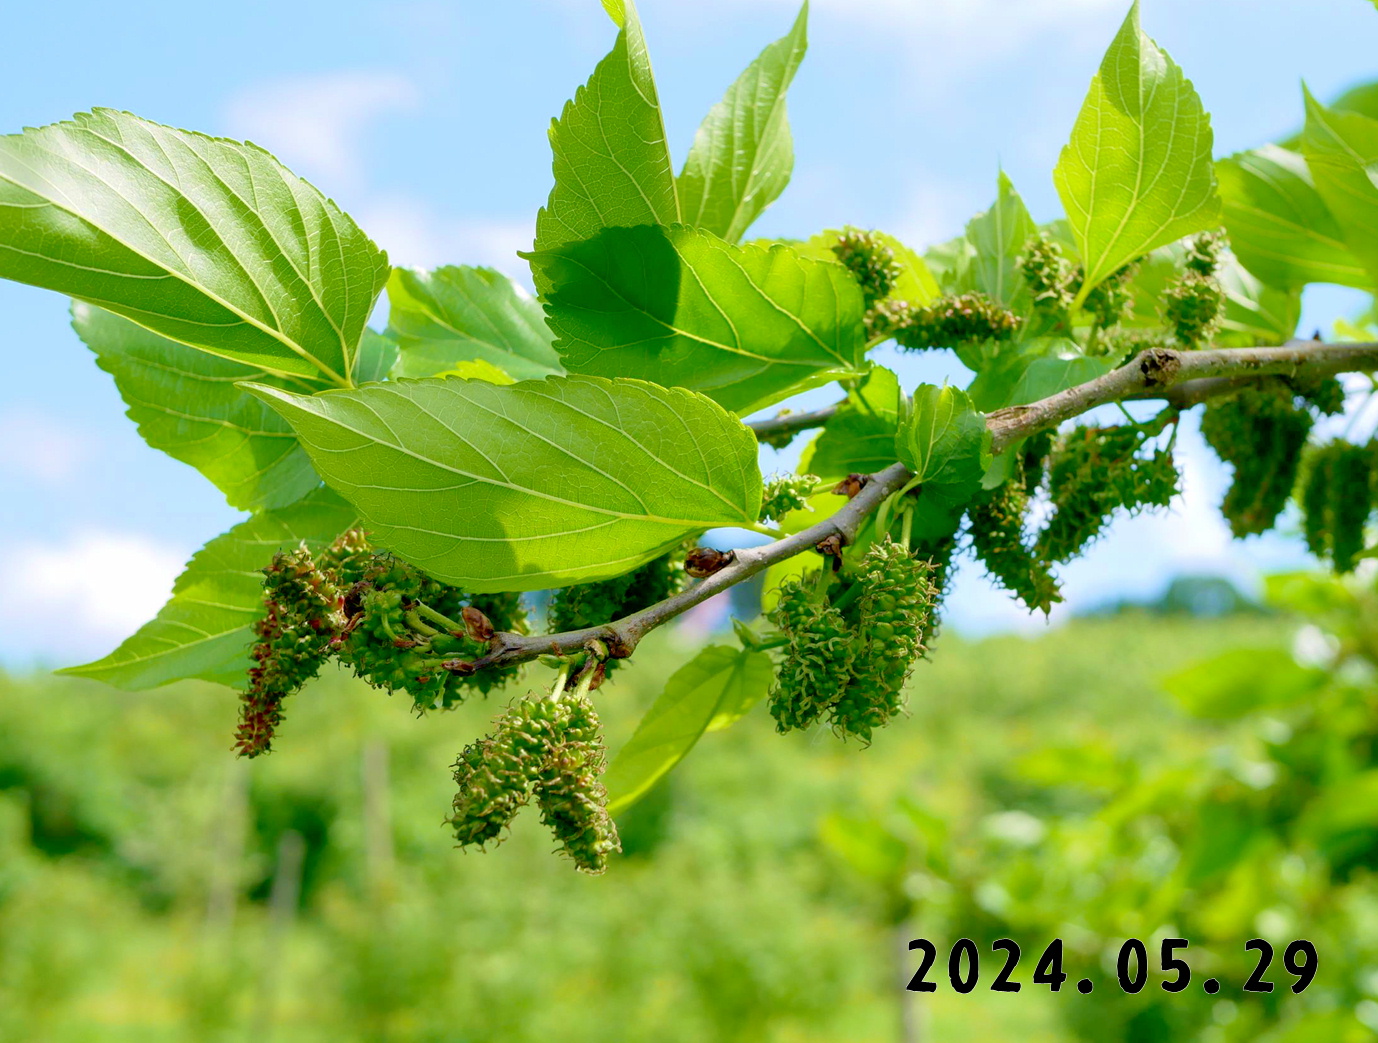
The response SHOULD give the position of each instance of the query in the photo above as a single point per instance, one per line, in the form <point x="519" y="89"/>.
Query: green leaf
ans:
<point x="1341" y="150"/>
<point x="1255" y="313"/>
<point x="611" y="158"/>
<point x="997" y="237"/>
<point x="204" y="630"/>
<point x="187" y="404"/>
<point x="209" y="242"/>
<point x="711" y="690"/>
<point x="743" y="154"/>
<point x="859" y="437"/>
<point x="683" y="308"/>
<point x="460" y="314"/>
<point x="1053" y="373"/>
<point x="943" y="440"/>
<point x="1280" y="228"/>
<point x="532" y="485"/>
<point x="1137" y="173"/>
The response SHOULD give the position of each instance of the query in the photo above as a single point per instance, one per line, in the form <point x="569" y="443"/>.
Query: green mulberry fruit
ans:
<point x="550" y="748"/>
<point x="1048" y="274"/>
<point x="1336" y="499"/>
<point x="871" y="261"/>
<point x="949" y="321"/>
<point x="1326" y="395"/>
<point x="1094" y="472"/>
<point x="1203" y="253"/>
<point x="1110" y="298"/>
<point x="1192" y="306"/>
<point x="814" y="671"/>
<point x="594" y="604"/>
<point x="996" y="523"/>
<point x="895" y="602"/>
<point x="1260" y="432"/>
<point x="785" y="493"/>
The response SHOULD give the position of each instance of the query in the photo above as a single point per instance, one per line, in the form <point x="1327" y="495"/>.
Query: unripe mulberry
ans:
<point x="302" y="614"/>
<point x="896" y="600"/>
<point x="785" y="493"/>
<point x="1049" y="275"/>
<point x="1326" y="395"/>
<point x="1336" y="501"/>
<point x="1110" y="298"/>
<point x="1261" y="432"/>
<point x="996" y="523"/>
<point x="871" y="261"/>
<point x="551" y="748"/>
<point x="815" y="669"/>
<point x="1203" y="253"/>
<point x="1192" y="306"/>
<point x="593" y="604"/>
<point x="1094" y="472"/>
<point x="572" y="799"/>
<point x="950" y="321"/>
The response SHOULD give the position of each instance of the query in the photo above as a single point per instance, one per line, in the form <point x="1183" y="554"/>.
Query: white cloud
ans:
<point x="76" y="598"/>
<point x="414" y="234"/>
<point x="316" y="124"/>
<point x="37" y="446"/>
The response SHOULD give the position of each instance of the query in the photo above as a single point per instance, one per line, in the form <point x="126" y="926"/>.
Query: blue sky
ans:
<point x="427" y="121"/>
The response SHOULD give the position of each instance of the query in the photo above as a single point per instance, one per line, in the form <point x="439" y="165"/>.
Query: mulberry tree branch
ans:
<point x="1183" y="378"/>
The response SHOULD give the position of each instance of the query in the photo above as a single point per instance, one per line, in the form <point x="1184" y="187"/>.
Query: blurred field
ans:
<point x="154" y="889"/>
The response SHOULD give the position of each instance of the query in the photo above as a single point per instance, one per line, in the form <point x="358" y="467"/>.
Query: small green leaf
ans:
<point x="460" y="314"/>
<point x="1053" y="373"/>
<point x="1137" y="173"/>
<point x="611" y="158"/>
<point x="204" y="630"/>
<point x="943" y="440"/>
<point x="710" y="691"/>
<point x="1341" y="150"/>
<point x="1280" y="228"/>
<point x="532" y="485"/>
<point x="859" y="437"/>
<point x="186" y="404"/>
<point x="997" y="237"/>
<point x="209" y="242"/>
<point x="743" y="154"/>
<point x="683" y="308"/>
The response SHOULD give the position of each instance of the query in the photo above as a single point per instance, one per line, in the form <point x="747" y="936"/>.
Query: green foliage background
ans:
<point x="1042" y="788"/>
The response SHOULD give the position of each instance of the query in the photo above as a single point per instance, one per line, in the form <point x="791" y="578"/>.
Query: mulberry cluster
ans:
<point x="1110" y="298"/>
<point x="1336" y="500"/>
<point x="851" y="666"/>
<point x="996" y="523"/>
<point x="818" y="658"/>
<point x="549" y="748"/>
<point x="1326" y="395"/>
<point x="871" y="261"/>
<point x="946" y="322"/>
<point x="1093" y="472"/>
<point x="393" y="625"/>
<point x="1033" y="460"/>
<point x="896" y="601"/>
<point x="303" y="601"/>
<point x="1195" y="301"/>
<point x="593" y="604"/>
<point x="1049" y="274"/>
<point x="1261" y="433"/>
<point x="785" y="493"/>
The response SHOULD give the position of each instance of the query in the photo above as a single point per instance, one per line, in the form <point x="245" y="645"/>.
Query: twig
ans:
<point x="1182" y="378"/>
<point x="621" y="636"/>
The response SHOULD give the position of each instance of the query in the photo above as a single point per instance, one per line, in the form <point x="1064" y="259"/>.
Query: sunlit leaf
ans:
<point x="943" y="440"/>
<point x="1137" y="173"/>
<point x="532" y="485"/>
<point x="743" y="154"/>
<point x="209" y="242"/>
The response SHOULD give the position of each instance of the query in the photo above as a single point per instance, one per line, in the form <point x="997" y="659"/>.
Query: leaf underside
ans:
<point x="531" y="485"/>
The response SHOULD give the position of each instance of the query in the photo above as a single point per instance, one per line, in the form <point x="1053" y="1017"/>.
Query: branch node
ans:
<point x="1159" y="367"/>
<point x="851" y="485"/>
